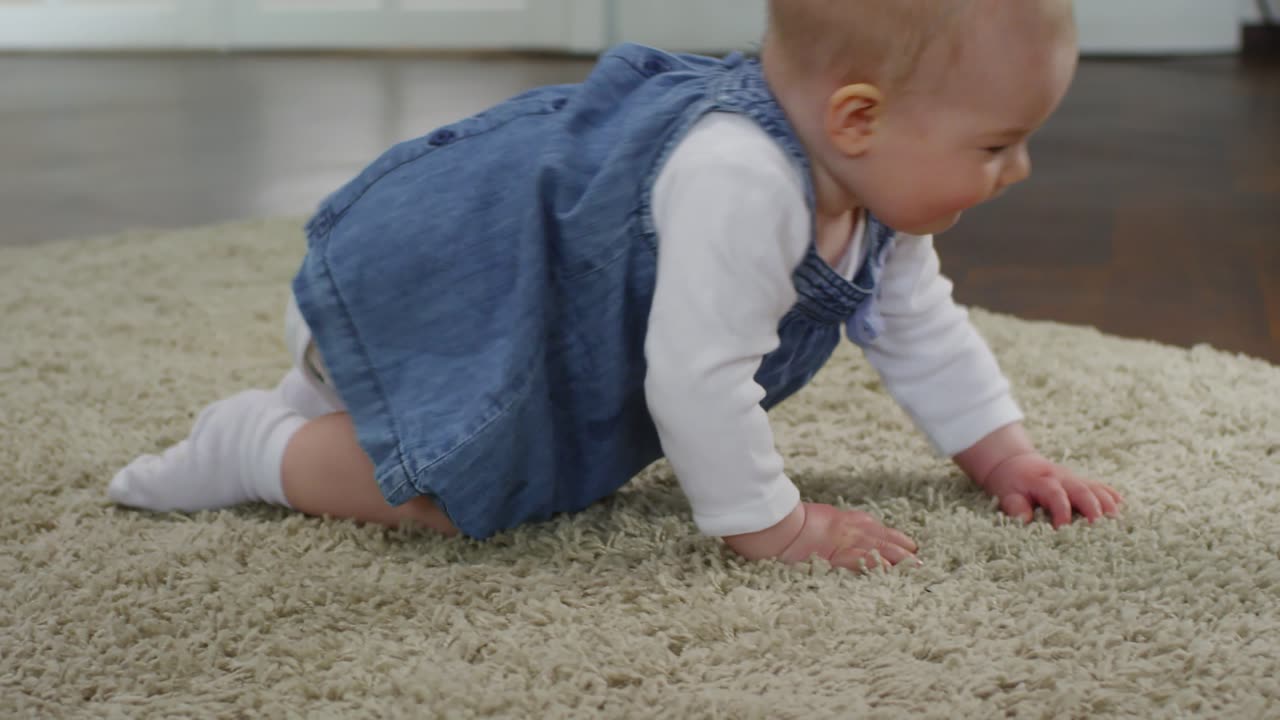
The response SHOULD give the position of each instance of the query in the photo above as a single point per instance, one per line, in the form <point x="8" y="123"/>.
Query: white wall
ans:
<point x="589" y="25"/>
<point x="1106" y="26"/>
<point x="293" y="24"/>
<point x="688" y="24"/>
<point x="1158" y="26"/>
<point x="1249" y="10"/>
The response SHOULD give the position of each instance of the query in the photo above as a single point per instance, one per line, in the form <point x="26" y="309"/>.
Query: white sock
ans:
<point x="233" y="456"/>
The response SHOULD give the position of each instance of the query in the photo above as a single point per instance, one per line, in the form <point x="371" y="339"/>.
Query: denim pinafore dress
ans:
<point x="480" y="295"/>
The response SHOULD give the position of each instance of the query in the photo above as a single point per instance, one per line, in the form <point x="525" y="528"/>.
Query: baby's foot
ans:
<point x="233" y="456"/>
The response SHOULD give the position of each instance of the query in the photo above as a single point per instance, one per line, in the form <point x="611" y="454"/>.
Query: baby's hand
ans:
<point x="845" y="538"/>
<point x="1023" y="481"/>
<point x="849" y="539"/>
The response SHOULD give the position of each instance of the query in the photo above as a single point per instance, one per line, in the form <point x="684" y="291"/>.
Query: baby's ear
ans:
<point x="852" y="114"/>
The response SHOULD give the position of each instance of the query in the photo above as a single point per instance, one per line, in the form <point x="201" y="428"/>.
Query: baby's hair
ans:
<point x="875" y="41"/>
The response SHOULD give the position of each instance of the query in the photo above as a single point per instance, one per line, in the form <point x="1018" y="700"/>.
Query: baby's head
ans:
<point x="918" y="109"/>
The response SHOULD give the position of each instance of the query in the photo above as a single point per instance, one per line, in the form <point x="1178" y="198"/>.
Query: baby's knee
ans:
<point x="423" y="512"/>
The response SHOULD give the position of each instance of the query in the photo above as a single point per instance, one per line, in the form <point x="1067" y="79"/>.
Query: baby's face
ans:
<point x="960" y="138"/>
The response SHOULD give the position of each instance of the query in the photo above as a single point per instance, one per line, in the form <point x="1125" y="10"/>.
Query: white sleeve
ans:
<point x="931" y="358"/>
<point x="732" y="226"/>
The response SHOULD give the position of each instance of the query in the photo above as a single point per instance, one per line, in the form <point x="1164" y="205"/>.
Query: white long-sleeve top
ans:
<point x="733" y="225"/>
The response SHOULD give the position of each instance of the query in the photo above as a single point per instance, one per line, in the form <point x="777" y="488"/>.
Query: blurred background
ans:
<point x="1154" y="211"/>
<point x="1121" y="26"/>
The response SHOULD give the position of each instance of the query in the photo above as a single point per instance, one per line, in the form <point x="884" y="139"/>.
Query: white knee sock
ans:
<point x="233" y="456"/>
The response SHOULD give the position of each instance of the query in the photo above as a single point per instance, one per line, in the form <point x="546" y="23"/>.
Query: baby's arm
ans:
<point x="931" y="358"/>
<point x="732" y="225"/>
<point x="726" y="250"/>
<point x="934" y="362"/>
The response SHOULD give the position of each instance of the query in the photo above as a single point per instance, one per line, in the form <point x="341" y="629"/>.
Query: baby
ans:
<point x="513" y="315"/>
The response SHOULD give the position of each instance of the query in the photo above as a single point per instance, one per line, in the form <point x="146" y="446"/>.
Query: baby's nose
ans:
<point x="1019" y="168"/>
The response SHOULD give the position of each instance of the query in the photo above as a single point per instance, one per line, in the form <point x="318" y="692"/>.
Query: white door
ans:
<point x="110" y="24"/>
<point x="500" y="24"/>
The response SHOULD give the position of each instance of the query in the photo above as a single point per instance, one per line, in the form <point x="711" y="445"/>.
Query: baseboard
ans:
<point x="1260" y="40"/>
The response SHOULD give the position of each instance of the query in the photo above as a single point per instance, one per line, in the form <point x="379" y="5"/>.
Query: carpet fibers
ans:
<point x="109" y="346"/>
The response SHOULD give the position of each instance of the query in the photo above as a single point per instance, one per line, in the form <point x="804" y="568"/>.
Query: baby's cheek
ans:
<point x="949" y="198"/>
<point x="971" y="197"/>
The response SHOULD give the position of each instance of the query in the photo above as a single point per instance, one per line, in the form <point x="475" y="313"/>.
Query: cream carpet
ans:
<point x="109" y="346"/>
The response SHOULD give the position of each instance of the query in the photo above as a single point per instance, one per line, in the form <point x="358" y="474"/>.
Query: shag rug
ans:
<point x="108" y="348"/>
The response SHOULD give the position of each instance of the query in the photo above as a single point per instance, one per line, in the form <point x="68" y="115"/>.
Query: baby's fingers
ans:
<point x="885" y="555"/>
<point x="1083" y="498"/>
<point x="1107" y="497"/>
<point x="894" y="552"/>
<point x="1054" y="498"/>
<point x="871" y="543"/>
<point x="900" y="538"/>
<point x="1115" y="496"/>
<point x="1016" y="505"/>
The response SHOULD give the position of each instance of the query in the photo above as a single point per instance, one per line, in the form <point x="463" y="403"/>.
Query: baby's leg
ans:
<point x="292" y="446"/>
<point x="327" y="473"/>
<point x="253" y="446"/>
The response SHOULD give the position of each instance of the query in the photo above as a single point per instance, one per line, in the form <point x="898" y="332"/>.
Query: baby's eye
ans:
<point x="997" y="149"/>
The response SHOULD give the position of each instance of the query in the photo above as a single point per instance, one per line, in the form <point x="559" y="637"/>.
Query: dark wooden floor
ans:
<point x="1154" y="211"/>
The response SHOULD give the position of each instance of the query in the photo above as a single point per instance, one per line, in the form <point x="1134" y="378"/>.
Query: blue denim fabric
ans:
<point x="480" y="295"/>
